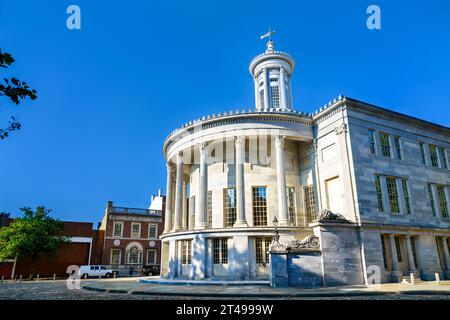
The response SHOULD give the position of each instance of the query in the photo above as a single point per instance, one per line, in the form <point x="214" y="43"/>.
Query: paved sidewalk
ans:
<point x="133" y="286"/>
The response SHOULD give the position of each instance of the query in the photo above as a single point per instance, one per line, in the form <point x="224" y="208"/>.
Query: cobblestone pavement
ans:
<point x="49" y="290"/>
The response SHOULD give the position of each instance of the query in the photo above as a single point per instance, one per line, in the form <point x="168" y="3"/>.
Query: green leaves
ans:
<point x="5" y="59"/>
<point x="34" y="235"/>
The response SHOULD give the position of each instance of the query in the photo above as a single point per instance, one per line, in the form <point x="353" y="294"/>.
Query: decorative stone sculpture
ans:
<point x="327" y="215"/>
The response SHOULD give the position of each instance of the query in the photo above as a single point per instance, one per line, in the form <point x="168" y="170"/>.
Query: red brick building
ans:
<point x="85" y="247"/>
<point x="132" y="237"/>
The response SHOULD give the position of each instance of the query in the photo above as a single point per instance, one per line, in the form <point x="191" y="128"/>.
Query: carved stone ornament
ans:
<point x="309" y="242"/>
<point x="327" y="215"/>
<point x="342" y="129"/>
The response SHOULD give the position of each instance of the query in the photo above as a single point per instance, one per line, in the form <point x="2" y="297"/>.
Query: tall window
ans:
<point x="443" y="208"/>
<point x="385" y="144"/>
<point x="209" y="208"/>
<point x="406" y="196"/>
<point x="259" y="206"/>
<point x="414" y="250"/>
<point x="229" y="201"/>
<point x="275" y="96"/>
<point x="261" y="99"/>
<point x="379" y="192"/>
<point x="186" y="251"/>
<point x="398" y="149"/>
<point x="290" y="192"/>
<point x="434" y="155"/>
<point x="152" y="230"/>
<point x="310" y="203"/>
<point x="431" y="198"/>
<point x="262" y="249"/>
<point x="151" y="256"/>
<point x="383" y="248"/>
<point x="117" y="229"/>
<point x="399" y="249"/>
<point x="372" y="141"/>
<point x="192" y="212"/>
<point x="115" y="256"/>
<point x="135" y="230"/>
<point x="441" y="252"/>
<point x="393" y="194"/>
<point x="444" y="159"/>
<point x="134" y="256"/>
<point x="422" y="152"/>
<point x="220" y="250"/>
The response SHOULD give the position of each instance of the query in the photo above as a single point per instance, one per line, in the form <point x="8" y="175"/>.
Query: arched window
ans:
<point x="134" y="255"/>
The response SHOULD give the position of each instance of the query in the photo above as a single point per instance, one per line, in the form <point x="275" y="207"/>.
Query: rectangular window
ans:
<point x="422" y="153"/>
<point x="406" y="196"/>
<point x="290" y="193"/>
<point x="275" y="96"/>
<point x="135" y="230"/>
<point x="259" y="204"/>
<point x="434" y="155"/>
<point x="393" y="194"/>
<point x="431" y="198"/>
<point x="209" y="207"/>
<point x="372" y="141"/>
<point x="220" y="250"/>
<point x="152" y="230"/>
<point x="385" y="144"/>
<point x="151" y="256"/>
<point x="441" y="252"/>
<point x="117" y="229"/>
<point x="383" y="248"/>
<point x="414" y="250"/>
<point x="399" y="249"/>
<point x="443" y="208"/>
<point x="115" y="256"/>
<point x="444" y="160"/>
<point x="261" y="99"/>
<point x="192" y="213"/>
<point x="262" y="249"/>
<point x="398" y="149"/>
<point x="186" y="251"/>
<point x="310" y="203"/>
<point x="229" y="201"/>
<point x="379" y="192"/>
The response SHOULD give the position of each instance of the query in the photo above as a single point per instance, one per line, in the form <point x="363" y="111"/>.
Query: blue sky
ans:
<point x="111" y="92"/>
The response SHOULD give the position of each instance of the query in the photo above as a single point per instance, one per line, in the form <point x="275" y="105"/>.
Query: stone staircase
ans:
<point x="414" y="279"/>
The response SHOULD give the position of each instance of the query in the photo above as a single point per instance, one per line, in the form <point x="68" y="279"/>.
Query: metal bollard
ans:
<point x="37" y="277"/>
<point x="438" y="278"/>
<point x="54" y="276"/>
<point x="413" y="279"/>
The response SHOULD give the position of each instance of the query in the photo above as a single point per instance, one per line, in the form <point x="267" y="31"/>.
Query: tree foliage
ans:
<point x="14" y="89"/>
<point x="35" y="235"/>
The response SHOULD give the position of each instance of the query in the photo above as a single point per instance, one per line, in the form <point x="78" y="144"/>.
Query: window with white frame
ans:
<point x="406" y="196"/>
<point x="115" y="256"/>
<point x="151" y="256"/>
<point x="310" y="203"/>
<point x="379" y="191"/>
<point x="262" y="249"/>
<point x="209" y="208"/>
<point x="434" y="155"/>
<point x="117" y="229"/>
<point x="290" y="193"/>
<point x="220" y="250"/>
<point x="393" y="194"/>
<point x="134" y="255"/>
<point x="135" y="230"/>
<point x="398" y="148"/>
<point x="443" y="206"/>
<point x="186" y="251"/>
<point x="153" y="230"/>
<point x="385" y="144"/>
<point x="229" y="207"/>
<point x="275" y="95"/>
<point x="444" y="159"/>
<point x="259" y="204"/>
<point x="431" y="198"/>
<point x="422" y="153"/>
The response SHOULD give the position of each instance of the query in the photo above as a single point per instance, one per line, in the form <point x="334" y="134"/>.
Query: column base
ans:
<point x="240" y="224"/>
<point x="176" y="229"/>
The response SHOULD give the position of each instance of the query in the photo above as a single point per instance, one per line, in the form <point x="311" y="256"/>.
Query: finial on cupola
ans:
<point x="270" y="44"/>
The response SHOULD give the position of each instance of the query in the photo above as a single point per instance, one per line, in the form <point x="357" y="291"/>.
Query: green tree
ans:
<point x="15" y="90"/>
<point x="35" y="235"/>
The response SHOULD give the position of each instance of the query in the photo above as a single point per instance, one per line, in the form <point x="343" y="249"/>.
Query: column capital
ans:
<point x="341" y="130"/>
<point x="203" y="145"/>
<point x="280" y="141"/>
<point x="312" y="147"/>
<point x="239" y="140"/>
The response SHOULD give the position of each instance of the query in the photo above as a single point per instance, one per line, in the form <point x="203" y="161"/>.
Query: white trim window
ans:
<point x="135" y="230"/>
<point x="134" y="255"/>
<point x="116" y="256"/>
<point x="153" y="230"/>
<point x="151" y="256"/>
<point x="118" y="229"/>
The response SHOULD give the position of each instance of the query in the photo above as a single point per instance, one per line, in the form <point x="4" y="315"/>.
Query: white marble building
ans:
<point x="232" y="176"/>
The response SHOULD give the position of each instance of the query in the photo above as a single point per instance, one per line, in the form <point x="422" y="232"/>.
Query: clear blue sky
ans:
<point x="111" y="92"/>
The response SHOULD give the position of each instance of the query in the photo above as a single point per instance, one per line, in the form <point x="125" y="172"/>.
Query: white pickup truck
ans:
<point x="94" y="271"/>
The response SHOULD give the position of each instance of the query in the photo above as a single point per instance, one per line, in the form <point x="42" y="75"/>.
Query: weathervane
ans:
<point x="268" y="34"/>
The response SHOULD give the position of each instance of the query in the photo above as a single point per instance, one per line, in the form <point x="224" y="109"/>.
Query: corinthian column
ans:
<point x="168" y="212"/>
<point x="283" y="217"/>
<point x="179" y="193"/>
<point x="203" y="192"/>
<point x="239" y="143"/>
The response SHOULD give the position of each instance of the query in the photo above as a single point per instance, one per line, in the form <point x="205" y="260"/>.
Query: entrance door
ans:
<point x="220" y="257"/>
<point x="186" y="257"/>
<point x="262" y="255"/>
<point x="402" y="255"/>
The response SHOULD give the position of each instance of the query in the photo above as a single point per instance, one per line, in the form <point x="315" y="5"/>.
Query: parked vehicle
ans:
<point x="94" y="271"/>
<point x="150" y="270"/>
